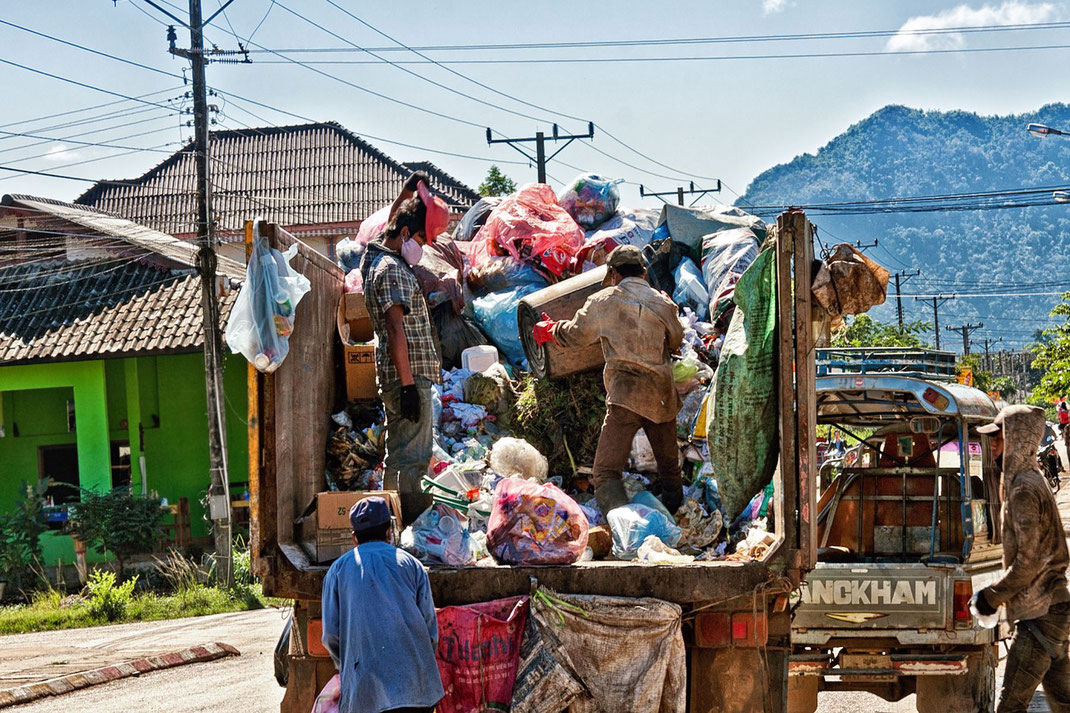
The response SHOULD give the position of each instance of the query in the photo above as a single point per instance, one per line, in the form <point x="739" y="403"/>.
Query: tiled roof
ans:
<point x="61" y="311"/>
<point x="308" y="174"/>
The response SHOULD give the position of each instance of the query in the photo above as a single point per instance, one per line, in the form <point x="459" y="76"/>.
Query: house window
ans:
<point x="120" y="464"/>
<point x="60" y="465"/>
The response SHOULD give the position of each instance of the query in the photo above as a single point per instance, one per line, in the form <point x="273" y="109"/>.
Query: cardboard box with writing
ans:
<point x="326" y="533"/>
<point x="355" y="331"/>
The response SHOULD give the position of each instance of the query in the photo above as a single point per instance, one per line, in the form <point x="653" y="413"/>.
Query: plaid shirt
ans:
<point x="388" y="281"/>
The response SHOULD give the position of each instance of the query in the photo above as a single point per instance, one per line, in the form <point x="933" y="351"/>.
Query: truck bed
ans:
<point x="680" y="583"/>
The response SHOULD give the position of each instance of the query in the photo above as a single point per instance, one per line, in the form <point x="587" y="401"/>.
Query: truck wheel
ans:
<point x="974" y="691"/>
<point x="802" y="694"/>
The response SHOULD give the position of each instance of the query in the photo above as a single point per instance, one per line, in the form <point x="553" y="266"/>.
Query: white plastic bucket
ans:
<point x="479" y="358"/>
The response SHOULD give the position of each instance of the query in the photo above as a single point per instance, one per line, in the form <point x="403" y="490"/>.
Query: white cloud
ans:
<point x="1009" y="13"/>
<point x="770" y="7"/>
<point x="61" y="153"/>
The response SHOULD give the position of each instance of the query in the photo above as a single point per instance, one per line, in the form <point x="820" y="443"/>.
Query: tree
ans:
<point x="118" y="521"/>
<point x="496" y="183"/>
<point x="864" y="331"/>
<point x="1053" y="355"/>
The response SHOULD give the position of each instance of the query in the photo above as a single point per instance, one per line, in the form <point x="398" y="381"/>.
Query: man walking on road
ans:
<point x="379" y="621"/>
<point x="1035" y="559"/>
<point x="407" y="362"/>
<point x="639" y="329"/>
<point x="1063" y="410"/>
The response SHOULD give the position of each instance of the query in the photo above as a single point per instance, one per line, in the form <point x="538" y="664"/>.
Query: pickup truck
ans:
<point x="907" y="532"/>
<point x="737" y="616"/>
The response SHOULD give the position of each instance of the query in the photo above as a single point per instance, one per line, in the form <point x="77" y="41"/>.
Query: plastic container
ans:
<point x="479" y="358"/>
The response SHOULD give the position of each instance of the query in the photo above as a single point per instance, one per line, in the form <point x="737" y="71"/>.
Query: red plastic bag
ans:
<point x="530" y="226"/>
<point x="535" y="524"/>
<point x="478" y="654"/>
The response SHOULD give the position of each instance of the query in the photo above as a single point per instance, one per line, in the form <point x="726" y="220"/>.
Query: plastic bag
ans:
<point x="535" y="524"/>
<point x="725" y="256"/>
<point x="529" y="225"/>
<point x="516" y="457"/>
<point x="371" y="226"/>
<point x="590" y="199"/>
<point x="500" y="274"/>
<point x="655" y="551"/>
<point x="473" y="220"/>
<point x="354" y="281"/>
<point x="690" y="225"/>
<point x="633" y="523"/>
<point x="633" y="227"/>
<point x="327" y="699"/>
<point x="690" y="289"/>
<point x="496" y="315"/>
<point x="261" y="319"/>
<point x="478" y="654"/>
<point x="440" y="535"/>
<point x="349" y="253"/>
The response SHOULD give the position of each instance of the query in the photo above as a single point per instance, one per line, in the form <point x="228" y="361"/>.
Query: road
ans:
<point x="242" y="684"/>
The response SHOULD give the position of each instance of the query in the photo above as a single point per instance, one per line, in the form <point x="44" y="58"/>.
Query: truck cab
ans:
<point x="908" y="529"/>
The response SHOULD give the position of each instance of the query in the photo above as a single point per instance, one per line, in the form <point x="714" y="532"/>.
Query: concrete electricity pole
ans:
<point x="680" y="192"/>
<point x="905" y="276"/>
<point x="965" y="331"/>
<point x="540" y="158"/>
<point x="937" y="301"/>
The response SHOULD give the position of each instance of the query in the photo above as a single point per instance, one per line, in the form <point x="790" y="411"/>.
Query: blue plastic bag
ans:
<point x="496" y="314"/>
<point x="633" y="523"/>
<point x="691" y="288"/>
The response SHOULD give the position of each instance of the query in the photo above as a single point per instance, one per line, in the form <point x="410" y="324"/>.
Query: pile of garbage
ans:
<point x="510" y="474"/>
<point x="355" y="448"/>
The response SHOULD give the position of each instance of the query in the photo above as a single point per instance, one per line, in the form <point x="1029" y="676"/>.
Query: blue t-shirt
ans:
<point x="380" y="628"/>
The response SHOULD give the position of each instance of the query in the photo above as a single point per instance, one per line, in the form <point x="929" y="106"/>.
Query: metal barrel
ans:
<point x="560" y="302"/>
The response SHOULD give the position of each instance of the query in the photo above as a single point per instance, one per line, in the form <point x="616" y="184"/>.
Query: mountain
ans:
<point x="902" y="152"/>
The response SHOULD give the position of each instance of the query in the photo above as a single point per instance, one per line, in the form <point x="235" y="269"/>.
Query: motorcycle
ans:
<point x="1048" y="459"/>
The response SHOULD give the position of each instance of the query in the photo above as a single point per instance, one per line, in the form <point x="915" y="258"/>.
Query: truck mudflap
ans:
<point x="883" y="665"/>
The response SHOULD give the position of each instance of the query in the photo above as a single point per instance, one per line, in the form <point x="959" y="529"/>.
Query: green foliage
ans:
<point x="1053" y="354"/>
<point x="562" y="419"/>
<point x="20" y="537"/>
<point x="898" y="151"/>
<point x="496" y="183"/>
<point x="864" y="331"/>
<point x="108" y="601"/>
<point x="119" y="522"/>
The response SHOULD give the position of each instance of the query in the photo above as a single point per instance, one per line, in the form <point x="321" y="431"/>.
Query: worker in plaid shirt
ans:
<point x="407" y="363"/>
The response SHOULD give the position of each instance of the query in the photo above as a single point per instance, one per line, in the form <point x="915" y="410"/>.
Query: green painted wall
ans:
<point x="171" y="401"/>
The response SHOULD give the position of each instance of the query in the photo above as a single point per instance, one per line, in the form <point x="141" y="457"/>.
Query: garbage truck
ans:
<point x="737" y="615"/>
<point x="908" y="530"/>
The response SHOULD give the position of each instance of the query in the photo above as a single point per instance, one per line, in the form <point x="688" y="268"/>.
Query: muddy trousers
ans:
<point x="1032" y="662"/>
<point x="614" y="446"/>
<point x="408" y="448"/>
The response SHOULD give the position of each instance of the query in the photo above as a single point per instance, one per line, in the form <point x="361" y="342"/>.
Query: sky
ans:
<point x="677" y="121"/>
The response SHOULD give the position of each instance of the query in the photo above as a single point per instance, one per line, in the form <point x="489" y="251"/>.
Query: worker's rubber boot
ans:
<point x="610" y="495"/>
<point x="673" y="498"/>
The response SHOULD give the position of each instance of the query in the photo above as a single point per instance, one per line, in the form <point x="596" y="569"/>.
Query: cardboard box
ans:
<point x="355" y="313"/>
<point x="360" y="372"/>
<point x="326" y="532"/>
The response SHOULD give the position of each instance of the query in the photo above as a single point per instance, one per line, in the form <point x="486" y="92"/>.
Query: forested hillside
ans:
<point x="899" y="152"/>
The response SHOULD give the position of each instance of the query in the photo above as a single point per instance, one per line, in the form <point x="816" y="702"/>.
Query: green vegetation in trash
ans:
<point x="561" y="418"/>
<point x="185" y="590"/>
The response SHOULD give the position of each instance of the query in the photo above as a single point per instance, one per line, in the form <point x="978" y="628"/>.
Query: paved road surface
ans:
<point x="243" y="684"/>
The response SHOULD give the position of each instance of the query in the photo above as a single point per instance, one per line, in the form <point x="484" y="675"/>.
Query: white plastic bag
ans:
<point x="440" y="535"/>
<point x="262" y="317"/>
<point x="633" y="523"/>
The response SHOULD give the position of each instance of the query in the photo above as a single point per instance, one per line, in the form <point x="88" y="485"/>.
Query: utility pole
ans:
<point x="988" y="357"/>
<point x="680" y="192"/>
<point x="937" y="301"/>
<point x="539" y="139"/>
<point x="219" y="488"/>
<point x="965" y="330"/>
<point x="898" y="297"/>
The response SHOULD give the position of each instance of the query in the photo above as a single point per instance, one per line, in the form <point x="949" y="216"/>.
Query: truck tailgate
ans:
<point x="875" y="596"/>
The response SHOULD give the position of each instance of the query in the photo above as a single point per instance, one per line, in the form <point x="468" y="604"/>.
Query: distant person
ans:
<point x="379" y="621"/>
<point x="1063" y="411"/>
<point x="1035" y="559"/>
<point x="838" y="444"/>
<point x="638" y="329"/>
<point x="407" y="361"/>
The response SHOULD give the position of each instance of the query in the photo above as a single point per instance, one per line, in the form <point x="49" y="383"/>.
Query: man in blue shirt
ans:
<point x="379" y="621"/>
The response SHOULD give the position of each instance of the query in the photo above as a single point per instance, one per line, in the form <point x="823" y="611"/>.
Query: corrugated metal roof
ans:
<point x="291" y="175"/>
<point x="108" y="224"/>
<point x="60" y="311"/>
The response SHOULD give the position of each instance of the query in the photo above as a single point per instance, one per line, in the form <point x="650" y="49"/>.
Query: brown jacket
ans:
<point x="638" y="329"/>
<point x="1035" y="556"/>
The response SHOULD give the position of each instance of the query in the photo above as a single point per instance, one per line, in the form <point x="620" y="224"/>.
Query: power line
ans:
<point x="84" y="109"/>
<point x="82" y="84"/>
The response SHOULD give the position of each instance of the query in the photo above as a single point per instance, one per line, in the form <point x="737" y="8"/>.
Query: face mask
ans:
<point x="411" y="252"/>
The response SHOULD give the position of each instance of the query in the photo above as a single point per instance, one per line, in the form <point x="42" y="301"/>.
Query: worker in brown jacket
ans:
<point x="1035" y="559"/>
<point x="638" y="329"/>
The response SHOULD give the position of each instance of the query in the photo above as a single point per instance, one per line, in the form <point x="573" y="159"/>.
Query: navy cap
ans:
<point x="368" y="513"/>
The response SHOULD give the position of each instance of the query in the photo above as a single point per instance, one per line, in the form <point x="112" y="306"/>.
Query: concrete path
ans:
<point x="244" y="683"/>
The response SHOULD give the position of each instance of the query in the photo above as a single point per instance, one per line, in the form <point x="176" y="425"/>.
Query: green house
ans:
<point x="101" y="362"/>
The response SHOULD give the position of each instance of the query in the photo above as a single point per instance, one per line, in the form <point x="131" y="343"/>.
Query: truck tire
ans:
<point x="972" y="692"/>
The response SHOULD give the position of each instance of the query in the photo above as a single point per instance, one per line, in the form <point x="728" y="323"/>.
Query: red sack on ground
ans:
<point x="478" y="654"/>
<point x="535" y="524"/>
<point x="529" y="225"/>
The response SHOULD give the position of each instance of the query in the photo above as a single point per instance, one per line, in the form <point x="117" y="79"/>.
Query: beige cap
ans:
<point x="626" y="255"/>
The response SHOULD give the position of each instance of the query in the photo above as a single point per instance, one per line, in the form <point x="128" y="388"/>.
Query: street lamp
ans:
<point x="1044" y="130"/>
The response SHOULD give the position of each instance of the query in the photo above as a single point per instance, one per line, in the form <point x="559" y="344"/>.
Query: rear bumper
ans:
<point x="895" y="665"/>
<point x="905" y="637"/>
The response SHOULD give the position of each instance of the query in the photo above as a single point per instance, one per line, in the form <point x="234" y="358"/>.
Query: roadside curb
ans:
<point x="114" y="672"/>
